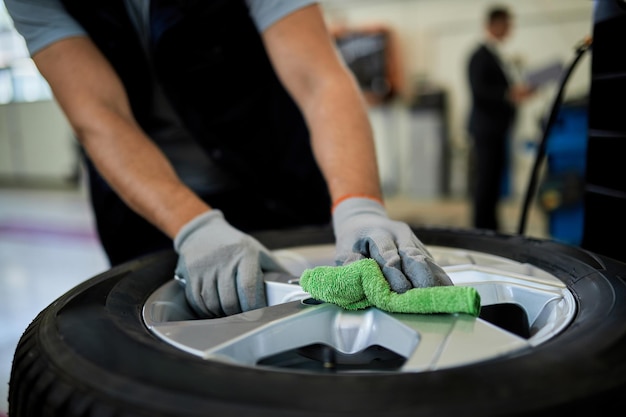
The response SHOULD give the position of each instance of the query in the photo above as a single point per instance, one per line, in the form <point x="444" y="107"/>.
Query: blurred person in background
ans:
<point x="495" y="98"/>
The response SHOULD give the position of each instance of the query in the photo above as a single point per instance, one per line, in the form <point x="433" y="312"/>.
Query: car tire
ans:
<point x="89" y="353"/>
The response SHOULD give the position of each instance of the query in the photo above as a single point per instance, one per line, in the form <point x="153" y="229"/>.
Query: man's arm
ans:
<point x="308" y="64"/>
<point x="96" y="105"/>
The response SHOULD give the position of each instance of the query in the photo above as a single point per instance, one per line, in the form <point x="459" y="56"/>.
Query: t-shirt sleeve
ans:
<point x="266" y="12"/>
<point x="42" y="22"/>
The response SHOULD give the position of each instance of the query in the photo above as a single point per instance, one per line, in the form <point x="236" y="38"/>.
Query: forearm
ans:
<point x="95" y="103"/>
<point x="342" y="137"/>
<point x="309" y="66"/>
<point x="139" y="173"/>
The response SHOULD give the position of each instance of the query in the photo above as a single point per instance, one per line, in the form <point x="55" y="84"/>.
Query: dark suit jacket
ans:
<point x="491" y="113"/>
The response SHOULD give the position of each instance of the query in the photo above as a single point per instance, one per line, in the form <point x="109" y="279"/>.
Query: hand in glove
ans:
<point x="363" y="230"/>
<point x="221" y="267"/>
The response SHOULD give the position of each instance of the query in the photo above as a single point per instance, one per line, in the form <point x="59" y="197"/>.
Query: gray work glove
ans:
<point x="221" y="267"/>
<point x="363" y="230"/>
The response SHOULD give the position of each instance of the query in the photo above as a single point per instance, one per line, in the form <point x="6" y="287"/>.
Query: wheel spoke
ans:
<point x="456" y="339"/>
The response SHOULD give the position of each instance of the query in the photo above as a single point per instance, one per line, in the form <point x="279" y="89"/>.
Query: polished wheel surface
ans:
<point x="294" y="329"/>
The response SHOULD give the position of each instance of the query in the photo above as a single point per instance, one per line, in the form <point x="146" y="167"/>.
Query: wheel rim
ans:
<point x="296" y="333"/>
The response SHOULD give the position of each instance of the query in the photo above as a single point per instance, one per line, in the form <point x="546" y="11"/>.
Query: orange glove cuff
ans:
<point x="347" y="196"/>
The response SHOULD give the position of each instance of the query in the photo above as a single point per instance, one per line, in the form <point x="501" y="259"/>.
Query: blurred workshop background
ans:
<point x="410" y="57"/>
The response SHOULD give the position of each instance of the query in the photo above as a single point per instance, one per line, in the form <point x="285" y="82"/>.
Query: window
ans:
<point x="19" y="78"/>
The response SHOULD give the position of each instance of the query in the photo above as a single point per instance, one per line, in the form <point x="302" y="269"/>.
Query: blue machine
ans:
<point x="561" y="193"/>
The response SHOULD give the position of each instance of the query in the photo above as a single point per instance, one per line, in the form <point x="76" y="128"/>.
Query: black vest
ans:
<point x="210" y="60"/>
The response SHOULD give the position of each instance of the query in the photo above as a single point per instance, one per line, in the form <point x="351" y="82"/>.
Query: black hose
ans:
<point x="581" y="48"/>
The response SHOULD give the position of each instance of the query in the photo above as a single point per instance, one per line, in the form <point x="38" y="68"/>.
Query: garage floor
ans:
<point x="48" y="246"/>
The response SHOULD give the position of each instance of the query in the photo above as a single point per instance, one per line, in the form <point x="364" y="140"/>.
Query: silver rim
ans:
<point x="296" y="333"/>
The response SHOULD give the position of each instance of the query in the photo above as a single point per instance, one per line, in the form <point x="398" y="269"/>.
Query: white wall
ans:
<point x="436" y="37"/>
<point x="36" y="144"/>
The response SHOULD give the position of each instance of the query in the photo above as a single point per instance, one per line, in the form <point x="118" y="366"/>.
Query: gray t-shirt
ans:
<point x="43" y="22"/>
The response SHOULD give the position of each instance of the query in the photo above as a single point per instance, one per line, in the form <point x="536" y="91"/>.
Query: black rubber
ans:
<point x="89" y="354"/>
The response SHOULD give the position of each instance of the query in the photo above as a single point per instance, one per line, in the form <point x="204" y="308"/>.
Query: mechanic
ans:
<point x="204" y="121"/>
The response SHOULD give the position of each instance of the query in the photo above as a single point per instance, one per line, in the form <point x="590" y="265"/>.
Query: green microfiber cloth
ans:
<point x="361" y="284"/>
